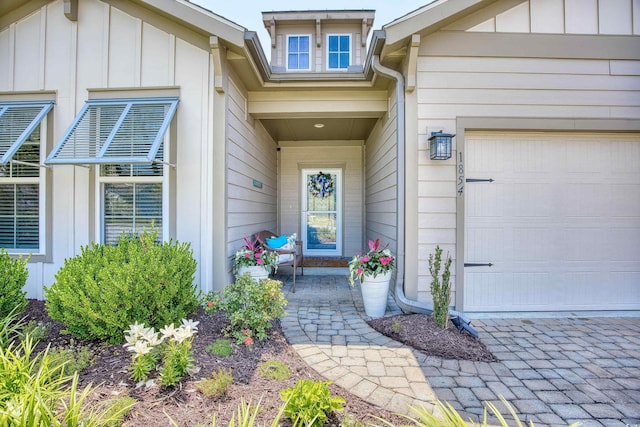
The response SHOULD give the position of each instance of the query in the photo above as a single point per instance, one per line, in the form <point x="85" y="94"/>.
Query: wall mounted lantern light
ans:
<point x="440" y="145"/>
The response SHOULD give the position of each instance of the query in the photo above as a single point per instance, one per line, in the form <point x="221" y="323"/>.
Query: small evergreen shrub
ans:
<point x="38" y="331"/>
<point x="217" y="384"/>
<point x="13" y="277"/>
<point x="309" y="403"/>
<point x="72" y="360"/>
<point x="220" y="348"/>
<point x="102" y="291"/>
<point x="275" y="369"/>
<point x="251" y="307"/>
<point x="440" y="287"/>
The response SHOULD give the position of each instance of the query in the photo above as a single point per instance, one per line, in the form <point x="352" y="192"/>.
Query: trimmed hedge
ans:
<point x="13" y="277"/>
<point x="102" y="291"/>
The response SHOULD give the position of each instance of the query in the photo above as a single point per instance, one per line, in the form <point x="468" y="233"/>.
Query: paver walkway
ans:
<point x="553" y="371"/>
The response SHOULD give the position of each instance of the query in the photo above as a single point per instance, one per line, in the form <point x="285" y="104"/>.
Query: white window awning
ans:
<point x="17" y="121"/>
<point x="116" y="131"/>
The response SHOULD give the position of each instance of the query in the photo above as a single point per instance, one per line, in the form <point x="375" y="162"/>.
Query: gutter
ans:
<point x="406" y="305"/>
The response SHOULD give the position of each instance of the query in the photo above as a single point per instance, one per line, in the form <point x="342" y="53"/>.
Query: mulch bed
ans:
<point x="421" y="332"/>
<point x="183" y="403"/>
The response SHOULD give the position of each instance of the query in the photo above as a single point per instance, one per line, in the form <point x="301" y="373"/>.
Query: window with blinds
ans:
<point x="125" y="138"/>
<point x="132" y="199"/>
<point x="20" y="180"/>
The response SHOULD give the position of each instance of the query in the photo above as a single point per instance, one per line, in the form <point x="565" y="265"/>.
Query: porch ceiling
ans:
<point x="335" y="129"/>
<point x="342" y="114"/>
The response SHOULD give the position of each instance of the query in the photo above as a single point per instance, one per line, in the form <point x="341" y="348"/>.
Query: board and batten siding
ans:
<point x="611" y="17"/>
<point x="381" y="177"/>
<point x="251" y="173"/>
<point x="297" y="156"/>
<point x="109" y="49"/>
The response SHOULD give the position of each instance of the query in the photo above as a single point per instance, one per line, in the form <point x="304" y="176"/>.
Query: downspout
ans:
<point x="407" y="305"/>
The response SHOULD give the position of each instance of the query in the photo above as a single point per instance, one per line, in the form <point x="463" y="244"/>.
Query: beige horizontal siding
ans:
<point x="381" y="180"/>
<point x="251" y="155"/>
<point x="454" y="87"/>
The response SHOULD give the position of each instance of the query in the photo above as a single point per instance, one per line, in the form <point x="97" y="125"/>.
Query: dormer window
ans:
<point x="298" y="52"/>
<point x="338" y="51"/>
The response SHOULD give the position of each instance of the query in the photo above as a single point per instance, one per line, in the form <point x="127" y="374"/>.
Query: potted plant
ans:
<point x="253" y="259"/>
<point x="373" y="269"/>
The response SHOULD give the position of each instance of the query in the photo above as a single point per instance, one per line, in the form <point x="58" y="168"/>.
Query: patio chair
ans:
<point x="295" y="259"/>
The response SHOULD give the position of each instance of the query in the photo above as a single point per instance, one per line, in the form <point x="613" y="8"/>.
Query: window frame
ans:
<point x="328" y="52"/>
<point x="286" y="60"/>
<point x="44" y="120"/>
<point x="100" y="232"/>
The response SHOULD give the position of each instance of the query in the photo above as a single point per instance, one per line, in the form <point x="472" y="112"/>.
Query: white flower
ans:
<point x="168" y="331"/>
<point x="152" y="337"/>
<point x="131" y="340"/>
<point x="182" y="334"/>
<point x="135" y="330"/>
<point x="190" y="325"/>
<point x="140" y="348"/>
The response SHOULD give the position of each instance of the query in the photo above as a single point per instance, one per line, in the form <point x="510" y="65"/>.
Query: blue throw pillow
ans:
<point x="276" y="242"/>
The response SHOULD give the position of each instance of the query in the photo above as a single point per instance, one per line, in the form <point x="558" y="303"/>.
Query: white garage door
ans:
<point x="560" y="223"/>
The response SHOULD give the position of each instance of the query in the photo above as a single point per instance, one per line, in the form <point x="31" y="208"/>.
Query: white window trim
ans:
<point x="350" y="52"/>
<point x="286" y="58"/>
<point x="41" y="180"/>
<point x="99" y="191"/>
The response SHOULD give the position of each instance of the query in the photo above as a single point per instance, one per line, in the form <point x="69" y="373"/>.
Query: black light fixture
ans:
<point x="440" y="145"/>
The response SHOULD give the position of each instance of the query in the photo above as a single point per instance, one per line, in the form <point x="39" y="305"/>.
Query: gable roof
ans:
<point x="430" y="18"/>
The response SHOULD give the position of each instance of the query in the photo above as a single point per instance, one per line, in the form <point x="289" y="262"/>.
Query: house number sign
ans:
<point x="460" y="169"/>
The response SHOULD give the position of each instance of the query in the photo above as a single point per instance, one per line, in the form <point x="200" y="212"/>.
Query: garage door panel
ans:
<point x="582" y="244"/>
<point x="578" y="200"/>
<point x="623" y="246"/>
<point x="560" y="223"/>
<point x="626" y="197"/>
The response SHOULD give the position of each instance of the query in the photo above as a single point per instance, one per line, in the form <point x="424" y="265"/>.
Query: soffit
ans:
<point x="335" y="129"/>
<point x="346" y="114"/>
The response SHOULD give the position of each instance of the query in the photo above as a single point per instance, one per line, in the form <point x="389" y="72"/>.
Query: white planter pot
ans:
<point x="374" y="294"/>
<point x="257" y="272"/>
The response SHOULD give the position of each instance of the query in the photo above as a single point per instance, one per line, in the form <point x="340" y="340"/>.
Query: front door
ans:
<point x="322" y="212"/>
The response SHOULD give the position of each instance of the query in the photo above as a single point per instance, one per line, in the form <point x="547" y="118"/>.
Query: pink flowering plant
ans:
<point x="253" y="254"/>
<point x="376" y="261"/>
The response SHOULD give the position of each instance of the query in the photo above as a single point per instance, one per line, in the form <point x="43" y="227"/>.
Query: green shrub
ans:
<point x="220" y="348"/>
<point x="309" y="402"/>
<point x="38" y="331"/>
<point x="115" y="410"/>
<point x="98" y="293"/>
<point x="217" y="385"/>
<point x="275" y="369"/>
<point x="251" y="306"/>
<point x="73" y="360"/>
<point x="440" y="288"/>
<point x="13" y="277"/>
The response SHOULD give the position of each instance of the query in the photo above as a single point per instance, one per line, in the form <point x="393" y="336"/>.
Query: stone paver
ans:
<point x="553" y="371"/>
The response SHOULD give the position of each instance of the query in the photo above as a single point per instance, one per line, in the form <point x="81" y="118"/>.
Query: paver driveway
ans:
<point x="553" y="371"/>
